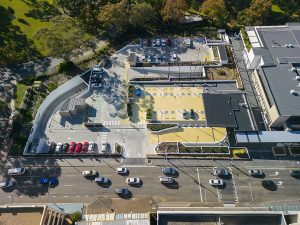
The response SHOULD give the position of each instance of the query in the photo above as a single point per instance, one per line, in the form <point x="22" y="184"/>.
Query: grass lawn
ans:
<point x="21" y="88"/>
<point x="277" y="9"/>
<point x="20" y="8"/>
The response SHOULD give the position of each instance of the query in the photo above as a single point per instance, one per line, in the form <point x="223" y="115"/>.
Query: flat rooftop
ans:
<point x="22" y="215"/>
<point x="216" y="219"/>
<point x="279" y="47"/>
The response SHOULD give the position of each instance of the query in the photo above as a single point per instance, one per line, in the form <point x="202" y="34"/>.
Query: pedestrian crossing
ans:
<point x="111" y="123"/>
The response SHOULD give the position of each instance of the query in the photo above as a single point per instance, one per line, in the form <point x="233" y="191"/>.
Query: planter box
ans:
<point x="279" y="151"/>
<point x="294" y="150"/>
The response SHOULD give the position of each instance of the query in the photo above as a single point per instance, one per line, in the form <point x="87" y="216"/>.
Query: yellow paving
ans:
<point x="193" y="135"/>
<point x="169" y="103"/>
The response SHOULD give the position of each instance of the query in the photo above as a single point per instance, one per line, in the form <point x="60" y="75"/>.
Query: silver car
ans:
<point x="166" y="180"/>
<point x="220" y="172"/>
<point x="101" y="180"/>
<point x="133" y="180"/>
<point x="89" y="173"/>
<point x="16" y="171"/>
<point x="216" y="182"/>
<point x="6" y="184"/>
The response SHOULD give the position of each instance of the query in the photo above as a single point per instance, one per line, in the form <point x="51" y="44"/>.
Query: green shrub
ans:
<point x="66" y="66"/>
<point x="246" y="39"/>
<point x="149" y="114"/>
<point x="215" y="149"/>
<point x="158" y="127"/>
<point x="75" y="216"/>
<point x="52" y="86"/>
<point x="130" y="91"/>
<point x="129" y="109"/>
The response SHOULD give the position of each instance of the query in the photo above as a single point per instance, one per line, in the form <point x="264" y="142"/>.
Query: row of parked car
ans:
<point x="72" y="147"/>
<point x="96" y="76"/>
<point x="157" y="42"/>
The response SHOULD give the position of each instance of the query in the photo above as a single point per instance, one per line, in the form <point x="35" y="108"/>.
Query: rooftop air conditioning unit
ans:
<point x="298" y="78"/>
<point x="293" y="92"/>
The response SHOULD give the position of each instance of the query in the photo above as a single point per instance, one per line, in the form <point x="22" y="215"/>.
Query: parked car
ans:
<point x="166" y="180"/>
<point x="188" y="42"/>
<point x="153" y="42"/>
<point x="78" y="147"/>
<point x="174" y="56"/>
<point x="6" y="184"/>
<point x="143" y="58"/>
<point x="58" y="147"/>
<point x="168" y="171"/>
<point x="220" y="172"/>
<point x="91" y="146"/>
<point x="122" y="170"/>
<point x="163" y="42"/>
<point x="216" y="182"/>
<point x="101" y="180"/>
<point x="138" y="92"/>
<point x="89" y="173"/>
<point x="295" y="173"/>
<point x="157" y="43"/>
<point x="184" y="114"/>
<point x="122" y="191"/>
<point x="16" y="171"/>
<point x="65" y="147"/>
<point x="133" y="180"/>
<point x="149" y="59"/>
<point x="255" y="173"/>
<point x="192" y="113"/>
<point x="72" y="147"/>
<point x="85" y="147"/>
<point x="52" y="147"/>
<point x="96" y="85"/>
<point x="104" y="147"/>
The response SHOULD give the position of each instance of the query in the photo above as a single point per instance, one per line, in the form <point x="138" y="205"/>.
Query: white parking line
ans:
<point x="199" y="184"/>
<point x="234" y="187"/>
<point x="251" y="194"/>
<point x="68" y="185"/>
<point x="54" y="196"/>
<point x="65" y="196"/>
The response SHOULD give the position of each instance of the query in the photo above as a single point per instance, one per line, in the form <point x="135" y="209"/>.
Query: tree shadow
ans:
<point x="43" y="11"/>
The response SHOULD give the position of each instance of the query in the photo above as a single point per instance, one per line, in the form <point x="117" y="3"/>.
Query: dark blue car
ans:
<point x="49" y="181"/>
<point x="138" y="92"/>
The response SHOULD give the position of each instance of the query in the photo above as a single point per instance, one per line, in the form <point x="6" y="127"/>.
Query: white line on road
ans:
<point x="42" y="196"/>
<point x="20" y="196"/>
<point x="251" y="194"/>
<point x="68" y="185"/>
<point x="54" y="196"/>
<point x="65" y="196"/>
<point x="199" y="184"/>
<point x="86" y="196"/>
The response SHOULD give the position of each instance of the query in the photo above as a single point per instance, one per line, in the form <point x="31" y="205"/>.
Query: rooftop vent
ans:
<point x="293" y="92"/>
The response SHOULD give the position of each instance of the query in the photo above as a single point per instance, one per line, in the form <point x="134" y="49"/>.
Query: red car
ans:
<point x="72" y="147"/>
<point x="78" y="147"/>
<point x="85" y="147"/>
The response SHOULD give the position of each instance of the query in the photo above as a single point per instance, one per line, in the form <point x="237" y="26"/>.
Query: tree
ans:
<point x="115" y="16"/>
<point x="65" y="38"/>
<point x="141" y="14"/>
<point x="75" y="216"/>
<point x="216" y="11"/>
<point x="173" y="10"/>
<point x="256" y="14"/>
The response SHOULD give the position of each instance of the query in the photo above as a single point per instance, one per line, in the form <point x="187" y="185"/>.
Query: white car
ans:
<point x="149" y="58"/>
<point x="166" y="180"/>
<point x="58" y="147"/>
<point x="174" y="56"/>
<point x="163" y="42"/>
<point x="6" y="184"/>
<point x="121" y="170"/>
<point x="133" y="180"/>
<point x="16" y="171"/>
<point x="216" y="182"/>
<point x="91" y="146"/>
<point x="89" y="173"/>
<point x="104" y="147"/>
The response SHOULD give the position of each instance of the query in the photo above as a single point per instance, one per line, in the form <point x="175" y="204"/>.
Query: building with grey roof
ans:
<point x="275" y="60"/>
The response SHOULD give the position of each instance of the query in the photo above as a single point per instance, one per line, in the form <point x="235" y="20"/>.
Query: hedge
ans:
<point x="158" y="127"/>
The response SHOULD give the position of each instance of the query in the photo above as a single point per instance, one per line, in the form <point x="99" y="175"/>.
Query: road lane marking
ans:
<point x="68" y="185"/>
<point x="199" y="184"/>
<point x="20" y="196"/>
<point x="54" y="196"/>
<point x="251" y="194"/>
<point x="65" y="196"/>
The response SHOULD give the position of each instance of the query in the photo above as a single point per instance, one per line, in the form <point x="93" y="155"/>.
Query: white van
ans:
<point x="16" y="171"/>
<point x="166" y="180"/>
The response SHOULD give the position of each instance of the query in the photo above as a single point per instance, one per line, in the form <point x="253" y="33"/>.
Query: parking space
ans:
<point x="160" y="50"/>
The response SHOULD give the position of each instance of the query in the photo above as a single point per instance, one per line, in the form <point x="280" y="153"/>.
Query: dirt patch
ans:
<point x="223" y="73"/>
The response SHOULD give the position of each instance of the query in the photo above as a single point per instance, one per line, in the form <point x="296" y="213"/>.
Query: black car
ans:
<point x="192" y="114"/>
<point x="269" y="184"/>
<point x="295" y="173"/>
<point x="52" y="147"/>
<point x="122" y="191"/>
<point x="65" y="147"/>
<point x="169" y="171"/>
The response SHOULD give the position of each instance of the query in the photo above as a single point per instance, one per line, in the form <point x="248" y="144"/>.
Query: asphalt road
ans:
<point x="190" y="188"/>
